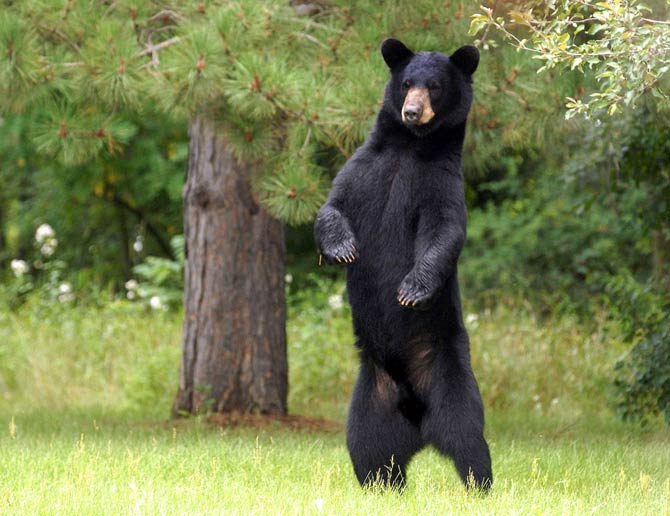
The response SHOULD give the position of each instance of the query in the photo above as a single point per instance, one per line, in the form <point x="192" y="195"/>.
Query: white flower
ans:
<point x="65" y="294"/>
<point x="335" y="301"/>
<point x="319" y="504"/>
<point x="44" y="232"/>
<point x="49" y="246"/>
<point x="131" y="284"/>
<point x="49" y="243"/>
<point x="288" y="278"/>
<point x="471" y="319"/>
<point x="19" y="267"/>
<point x="138" y="244"/>
<point x="130" y="294"/>
<point x="155" y="303"/>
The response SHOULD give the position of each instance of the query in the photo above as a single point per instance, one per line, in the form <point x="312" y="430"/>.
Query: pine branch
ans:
<point x="152" y="49"/>
<point x="167" y="13"/>
<point x="158" y="46"/>
<point x="53" y="31"/>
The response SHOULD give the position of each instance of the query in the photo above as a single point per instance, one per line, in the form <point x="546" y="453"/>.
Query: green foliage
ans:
<point x="79" y="138"/>
<point x="634" y="146"/>
<point x="299" y="182"/>
<point x="620" y="43"/>
<point x="123" y="354"/>
<point x="19" y="59"/>
<point x="643" y="379"/>
<point x="623" y="47"/>
<point x="321" y="352"/>
<point x="99" y="209"/>
<point x="564" y="238"/>
<point x="548" y="241"/>
<point x="57" y="356"/>
<point x="162" y="279"/>
<point x="192" y="73"/>
<point x="248" y="141"/>
<point x="549" y="364"/>
<point x="97" y="67"/>
<point x="253" y="73"/>
<point x="114" y="71"/>
<point x="645" y="164"/>
<point x="43" y="279"/>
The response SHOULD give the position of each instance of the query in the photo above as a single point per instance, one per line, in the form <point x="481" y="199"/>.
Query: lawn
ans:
<point x="85" y="393"/>
<point x="101" y="463"/>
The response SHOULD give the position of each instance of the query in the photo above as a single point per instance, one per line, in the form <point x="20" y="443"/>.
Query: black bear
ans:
<point x="396" y="217"/>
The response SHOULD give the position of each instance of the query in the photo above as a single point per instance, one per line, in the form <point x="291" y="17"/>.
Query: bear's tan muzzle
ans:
<point x="417" y="109"/>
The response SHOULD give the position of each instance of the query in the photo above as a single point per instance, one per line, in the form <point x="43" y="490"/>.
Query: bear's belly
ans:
<point x="384" y="214"/>
<point x="385" y="224"/>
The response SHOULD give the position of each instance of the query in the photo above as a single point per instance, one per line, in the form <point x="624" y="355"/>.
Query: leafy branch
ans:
<point x="627" y="51"/>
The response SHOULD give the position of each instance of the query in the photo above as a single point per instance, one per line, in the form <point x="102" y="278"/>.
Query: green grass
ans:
<point x="85" y="392"/>
<point x="89" y="463"/>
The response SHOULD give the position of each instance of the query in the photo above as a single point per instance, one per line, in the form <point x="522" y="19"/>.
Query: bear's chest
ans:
<point x="387" y="206"/>
<point x="392" y="194"/>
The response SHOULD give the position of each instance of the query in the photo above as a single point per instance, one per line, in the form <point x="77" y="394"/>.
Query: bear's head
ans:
<point x="428" y="90"/>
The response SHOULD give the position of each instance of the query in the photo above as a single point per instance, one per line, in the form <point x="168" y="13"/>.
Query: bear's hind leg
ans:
<point x="380" y="439"/>
<point x="454" y="422"/>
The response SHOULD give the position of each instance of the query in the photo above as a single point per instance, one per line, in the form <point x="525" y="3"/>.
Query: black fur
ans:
<point x="397" y="212"/>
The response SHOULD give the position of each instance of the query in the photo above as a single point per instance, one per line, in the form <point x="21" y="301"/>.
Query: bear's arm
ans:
<point x="334" y="238"/>
<point x="439" y="241"/>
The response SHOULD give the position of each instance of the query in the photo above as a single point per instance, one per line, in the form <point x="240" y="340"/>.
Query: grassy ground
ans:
<point x="87" y="463"/>
<point x="84" y="394"/>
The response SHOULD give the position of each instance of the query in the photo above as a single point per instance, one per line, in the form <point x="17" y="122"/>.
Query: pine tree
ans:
<point x="83" y="68"/>
<point x="272" y="94"/>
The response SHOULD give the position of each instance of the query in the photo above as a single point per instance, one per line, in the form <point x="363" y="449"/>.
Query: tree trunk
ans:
<point x="234" y="335"/>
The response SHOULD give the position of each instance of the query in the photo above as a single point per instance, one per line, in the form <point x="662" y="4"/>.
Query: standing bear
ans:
<point x="396" y="216"/>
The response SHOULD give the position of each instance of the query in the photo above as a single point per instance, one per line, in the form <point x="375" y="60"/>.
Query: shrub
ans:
<point x="643" y="374"/>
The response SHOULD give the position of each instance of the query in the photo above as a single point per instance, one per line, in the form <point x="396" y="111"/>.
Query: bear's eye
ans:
<point x="406" y="84"/>
<point x="434" y="86"/>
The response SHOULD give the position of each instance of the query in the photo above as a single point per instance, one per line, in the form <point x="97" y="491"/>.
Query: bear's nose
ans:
<point x="412" y="113"/>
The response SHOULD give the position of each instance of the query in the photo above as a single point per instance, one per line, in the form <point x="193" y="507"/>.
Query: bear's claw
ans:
<point x="345" y="252"/>
<point x="413" y="294"/>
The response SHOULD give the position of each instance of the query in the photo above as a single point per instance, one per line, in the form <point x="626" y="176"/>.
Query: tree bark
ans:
<point x="234" y="334"/>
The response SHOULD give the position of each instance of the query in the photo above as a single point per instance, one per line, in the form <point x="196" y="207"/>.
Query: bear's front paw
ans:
<point x="414" y="293"/>
<point x="344" y="252"/>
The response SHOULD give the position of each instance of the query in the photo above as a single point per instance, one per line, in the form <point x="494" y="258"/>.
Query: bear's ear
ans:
<point x="395" y="52"/>
<point x="466" y="59"/>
